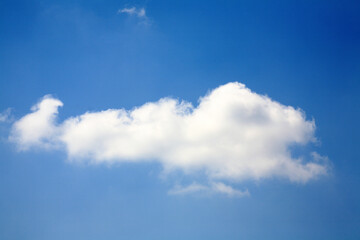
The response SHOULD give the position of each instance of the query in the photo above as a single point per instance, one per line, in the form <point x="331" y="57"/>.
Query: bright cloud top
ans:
<point x="233" y="134"/>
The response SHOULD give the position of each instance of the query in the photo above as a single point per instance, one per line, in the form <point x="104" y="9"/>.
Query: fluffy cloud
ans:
<point x="233" y="134"/>
<point x="37" y="129"/>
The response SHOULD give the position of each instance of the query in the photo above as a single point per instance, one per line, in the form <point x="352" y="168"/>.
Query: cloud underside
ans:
<point x="232" y="135"/>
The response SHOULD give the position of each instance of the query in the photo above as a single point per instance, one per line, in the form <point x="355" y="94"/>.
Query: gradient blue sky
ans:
<point x="301" y="53"/>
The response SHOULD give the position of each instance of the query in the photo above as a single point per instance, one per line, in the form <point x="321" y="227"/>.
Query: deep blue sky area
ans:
<point x="300" y="53"/>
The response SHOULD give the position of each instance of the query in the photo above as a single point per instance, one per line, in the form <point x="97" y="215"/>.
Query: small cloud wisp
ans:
<point x="133" y="11"/>
<point x="5" y="116"/>
<point x="214" y="187"/>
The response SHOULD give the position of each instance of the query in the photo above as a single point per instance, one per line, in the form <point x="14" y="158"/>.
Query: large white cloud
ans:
<point x="233" y="134"/>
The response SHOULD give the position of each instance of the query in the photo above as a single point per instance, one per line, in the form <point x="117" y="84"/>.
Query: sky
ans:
<point x="179" y="120"/>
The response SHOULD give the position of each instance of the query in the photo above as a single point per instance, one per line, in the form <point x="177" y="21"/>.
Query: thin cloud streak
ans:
<point x="214" y="187"/>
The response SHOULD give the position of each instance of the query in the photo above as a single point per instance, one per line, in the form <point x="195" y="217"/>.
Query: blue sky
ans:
<point x="93" y="57"/>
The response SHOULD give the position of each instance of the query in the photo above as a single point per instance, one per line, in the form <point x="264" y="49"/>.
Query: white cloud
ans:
<point x="233" y="134"/>
<point x="38" y="129"/>
<point x="133" y="11"/>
